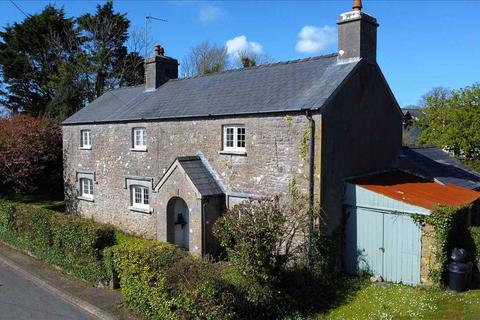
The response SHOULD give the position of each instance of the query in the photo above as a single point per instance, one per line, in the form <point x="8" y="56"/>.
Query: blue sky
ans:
<point x="421" y="44"/>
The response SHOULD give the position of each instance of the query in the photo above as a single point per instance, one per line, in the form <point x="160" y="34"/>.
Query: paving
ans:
<point x="29" y="289"/>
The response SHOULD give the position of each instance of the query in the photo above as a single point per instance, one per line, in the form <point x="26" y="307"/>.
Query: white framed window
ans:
<point x="86" y="139"/>
<point x="140" y="197"/>
<point x="234" y="138"/>
<point x="86" y="188"/>
<point x="139" y="138"/>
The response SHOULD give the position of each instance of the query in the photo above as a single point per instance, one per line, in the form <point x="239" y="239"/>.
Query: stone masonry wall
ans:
<point x="427" y="258"/>
<point x="274" y="157"/>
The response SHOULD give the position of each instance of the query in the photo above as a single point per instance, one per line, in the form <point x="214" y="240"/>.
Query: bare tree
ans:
<point x="203" y="59"/>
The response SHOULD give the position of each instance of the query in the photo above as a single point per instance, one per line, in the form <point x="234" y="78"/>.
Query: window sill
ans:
<point x="85" y="148"/>
<point x="86" y="198"/>
<point x="138" y="149"/>
<point x="142" y="210"/>
<point x="233" y="152"/>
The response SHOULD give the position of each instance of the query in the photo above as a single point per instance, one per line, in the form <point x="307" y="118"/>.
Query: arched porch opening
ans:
<point x="178" y="223"/>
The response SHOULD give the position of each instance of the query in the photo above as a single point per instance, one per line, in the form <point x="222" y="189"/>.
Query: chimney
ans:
<point x="357" y="35"/>
<point x="159" y="69"/>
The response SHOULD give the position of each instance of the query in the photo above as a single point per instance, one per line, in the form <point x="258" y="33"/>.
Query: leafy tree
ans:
<point x="30" y="54"/>
<point x="451" y="120"/>
<point x="106" y="60"/>
<point x="246" y="59"/>
<point x="205" y="58"/>
<point x="30" y="154"/>
<point x="52" y="65"/>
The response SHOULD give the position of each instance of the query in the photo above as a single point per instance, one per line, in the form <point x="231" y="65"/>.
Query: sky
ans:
<point x="421" y="44"/>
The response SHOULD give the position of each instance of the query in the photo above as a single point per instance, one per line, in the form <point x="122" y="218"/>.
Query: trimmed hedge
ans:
<point x="71" y="243"/>
<point x="165" y="282"/>
<point x="475" y="236"/>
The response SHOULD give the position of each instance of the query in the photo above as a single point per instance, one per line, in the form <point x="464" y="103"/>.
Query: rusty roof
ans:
<point x="416" y="191"/>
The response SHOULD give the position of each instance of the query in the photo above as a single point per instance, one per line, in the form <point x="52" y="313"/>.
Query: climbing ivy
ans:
<point x="305" y="143"/>
<point x="446" y="223"/>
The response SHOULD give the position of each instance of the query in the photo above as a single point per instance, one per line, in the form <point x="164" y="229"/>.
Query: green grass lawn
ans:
<point x="373" y="301"/>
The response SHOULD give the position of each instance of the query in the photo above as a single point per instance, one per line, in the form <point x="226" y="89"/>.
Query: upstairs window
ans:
<point x="140" y="197"/>
<point x="86" y="140"/>
<point x="139" y="137"/>
<point x="86" y="188"/>
<point x="234" y="138"/>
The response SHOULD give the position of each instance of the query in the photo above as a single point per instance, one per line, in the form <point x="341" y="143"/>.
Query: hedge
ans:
<point x="165" y="282"/>
<point x="475" y="237"/>
<point x="71" y="243"/>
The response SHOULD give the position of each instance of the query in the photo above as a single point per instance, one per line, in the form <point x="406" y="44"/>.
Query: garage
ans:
<point x="381" y="238"/>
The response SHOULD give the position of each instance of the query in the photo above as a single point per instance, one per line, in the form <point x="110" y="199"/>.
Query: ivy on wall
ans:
<point x="447" y="223"/>
<point x="305" y="143"/>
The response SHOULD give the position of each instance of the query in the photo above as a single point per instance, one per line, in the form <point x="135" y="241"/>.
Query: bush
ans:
<point x="165" y="282"/>
<point x="267" y="241"/>
<point x="30" y="155"/>
<point x="475" y="236"/>
<point x="73" y="244"/>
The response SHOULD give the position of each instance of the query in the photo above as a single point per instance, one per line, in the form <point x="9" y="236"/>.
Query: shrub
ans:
<point x="449" y="231"/>
<point x="262" y="237"/>
<point x="475" y="236"/>
<point x="165" y="282"/>
<point x="30" y="154"/>
<point x="267" y="240"/>
<point x="75" y="245"/>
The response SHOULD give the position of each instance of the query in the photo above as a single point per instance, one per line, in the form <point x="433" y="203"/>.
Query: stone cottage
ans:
<point x="165" y="159"/>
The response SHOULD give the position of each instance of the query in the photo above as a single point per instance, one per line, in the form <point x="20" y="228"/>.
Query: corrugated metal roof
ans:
<point x="278" y="87"/>
<point x="416" y="191"/>
<point x="434" y="163"/>
<point x="200" y="176"/>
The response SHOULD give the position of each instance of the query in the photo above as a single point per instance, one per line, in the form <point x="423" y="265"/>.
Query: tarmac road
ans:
<point x="21" y="299"/>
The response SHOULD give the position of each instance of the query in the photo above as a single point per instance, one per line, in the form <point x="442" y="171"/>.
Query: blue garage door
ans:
<point x="383" y="244"/>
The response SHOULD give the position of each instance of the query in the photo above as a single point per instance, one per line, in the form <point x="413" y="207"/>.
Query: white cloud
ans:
<point x="209" y="14"/>
<point x="241" y="43"/>
<point x="314" y="39"/>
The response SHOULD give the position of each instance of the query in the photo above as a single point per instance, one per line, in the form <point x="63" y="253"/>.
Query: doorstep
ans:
<point x="101" y="302"/>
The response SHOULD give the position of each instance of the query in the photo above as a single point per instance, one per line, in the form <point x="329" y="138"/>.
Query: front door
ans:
<point x="178" y="223"/>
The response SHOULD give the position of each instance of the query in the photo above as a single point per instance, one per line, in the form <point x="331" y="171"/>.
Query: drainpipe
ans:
<point x="311" y="178"/>
<point x="204" y="210"/>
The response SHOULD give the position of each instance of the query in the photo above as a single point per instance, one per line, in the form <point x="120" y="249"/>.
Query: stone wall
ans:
<point x="273" y="158"/>
<point x="427" y="258"/>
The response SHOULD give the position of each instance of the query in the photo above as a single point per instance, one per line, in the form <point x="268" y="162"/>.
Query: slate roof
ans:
<point x="414" y="112"/>
<point x="417" y="191"/>
<point x="278" y="87"/>
<point x="200" y="176"/>
<point x="434" y="163"/>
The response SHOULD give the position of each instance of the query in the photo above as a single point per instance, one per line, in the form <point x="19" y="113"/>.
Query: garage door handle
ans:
<point x="381" y="249"/>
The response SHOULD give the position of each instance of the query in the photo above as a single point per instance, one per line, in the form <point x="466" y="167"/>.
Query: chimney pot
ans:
<point x="159" y="51"/>
<point x="357" y="5"/>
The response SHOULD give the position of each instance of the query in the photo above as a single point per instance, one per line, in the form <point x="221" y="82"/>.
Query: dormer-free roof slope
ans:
<point x="278" y="87"/>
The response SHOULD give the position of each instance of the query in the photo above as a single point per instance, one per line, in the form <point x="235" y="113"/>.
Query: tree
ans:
<point x="52" y="65"/>
<point x="246" y="59"/>
<point x="106" y="60"/>
<point x="28" y="59"/>
<point x="451" y="120"/>
<point x="203" y="59"/>
<point x="30" y="154"/>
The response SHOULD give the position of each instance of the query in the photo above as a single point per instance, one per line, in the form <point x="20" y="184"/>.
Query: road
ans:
<point x="21" y="299"/>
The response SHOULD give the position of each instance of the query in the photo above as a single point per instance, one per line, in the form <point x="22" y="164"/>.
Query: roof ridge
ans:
<point x="266" y="65"/>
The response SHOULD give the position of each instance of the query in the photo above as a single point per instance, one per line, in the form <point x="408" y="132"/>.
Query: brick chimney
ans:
<point x="159" y="69"/>
<point x="357" y="35"/>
